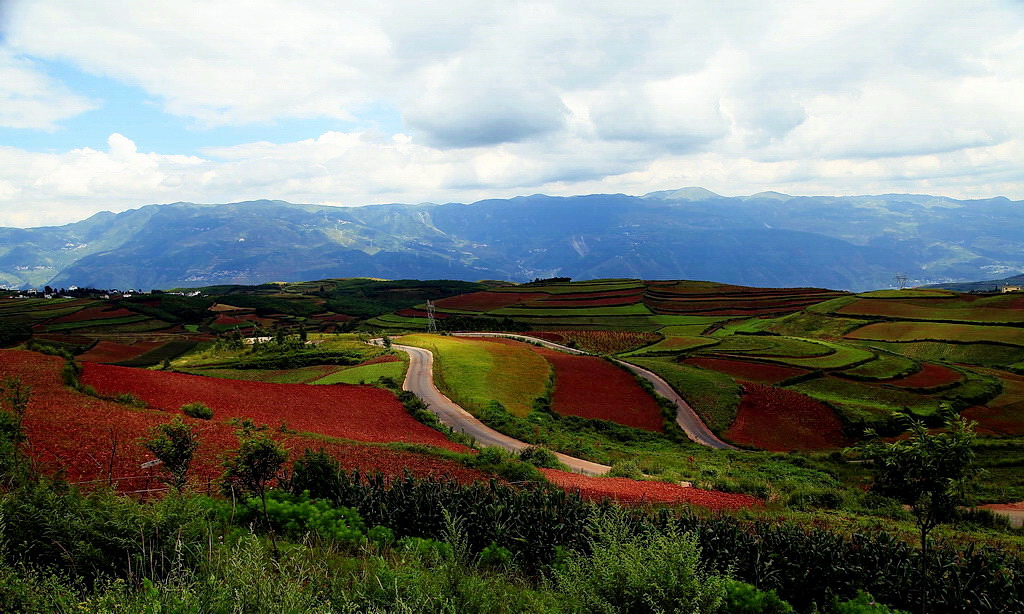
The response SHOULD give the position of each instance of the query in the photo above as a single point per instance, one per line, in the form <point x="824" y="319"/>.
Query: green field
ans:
<point x="885" y="366"/>
<point x="714" y="396"/>
<point x="365" y="374"/>
<point x="473" y="372"/>
<point x="929" y="331"/>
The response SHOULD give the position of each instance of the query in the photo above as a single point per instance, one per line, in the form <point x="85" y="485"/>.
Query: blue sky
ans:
<point x="111" y="105"/>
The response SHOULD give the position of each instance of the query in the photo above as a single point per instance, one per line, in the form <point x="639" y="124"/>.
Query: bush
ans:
<point x="626" y="469"/>
<point x="297" y="515"/>
<point x="317" y="473"/>
<point x="631" y="572"/>
<point x="505" y="464"/>
<point x="495" y="556"/>
<point x="127" y="398"/>
<point x="743" y="598"/>
<point x="863" y="603"/>
<point x="539" y="456"/>
<point x="197" y="410"/>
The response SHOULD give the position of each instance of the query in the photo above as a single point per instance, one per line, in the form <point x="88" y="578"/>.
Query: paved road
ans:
<point x="686" y="418"/>
<point x="420" y="381"/>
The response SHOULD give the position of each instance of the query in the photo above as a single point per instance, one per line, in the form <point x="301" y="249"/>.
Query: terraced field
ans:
<point x="473" y="372"/>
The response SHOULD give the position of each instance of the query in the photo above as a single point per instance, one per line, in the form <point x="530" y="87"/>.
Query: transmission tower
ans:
<point x="431" y="318"/>
<point x="901" y="280"/>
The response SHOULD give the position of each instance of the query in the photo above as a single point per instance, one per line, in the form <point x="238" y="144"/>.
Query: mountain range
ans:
<point x="767" y="239"/>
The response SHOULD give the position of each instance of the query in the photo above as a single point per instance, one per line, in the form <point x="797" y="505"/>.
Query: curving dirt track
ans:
<point x="686" y="418"/>
<point x="420" y="381"/>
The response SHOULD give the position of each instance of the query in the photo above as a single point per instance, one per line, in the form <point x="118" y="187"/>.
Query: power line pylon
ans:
<point x="431" y="318"/>
<point x="901" y="280"/>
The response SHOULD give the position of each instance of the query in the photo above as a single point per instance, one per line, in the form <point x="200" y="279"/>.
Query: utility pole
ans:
<point x="431" y="318"/>
<point x="901" y="281"/>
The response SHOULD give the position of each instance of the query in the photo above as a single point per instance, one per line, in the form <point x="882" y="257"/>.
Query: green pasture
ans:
<point x="774" y="347"/>
<point x="473" y="372"/>
<point x="65" y="326"/>
<point x="935" y="331"/>
<point x="366" y="374"/>
<point x="982" y="354"/>
<point x="615" y="310"/>
<point x="858" y="401"/>
<point x="982" y="310"/>
<point x="674" y="344"/>
<point x="885" y="366"/>
<point x="841" y="356"/>
<point x="714" y="396"/>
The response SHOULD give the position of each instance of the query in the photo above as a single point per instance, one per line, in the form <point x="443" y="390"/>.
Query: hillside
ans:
<point x="767" y="239"/>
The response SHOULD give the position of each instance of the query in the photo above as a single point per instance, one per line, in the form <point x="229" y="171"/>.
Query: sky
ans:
<point x="110" y="105"/>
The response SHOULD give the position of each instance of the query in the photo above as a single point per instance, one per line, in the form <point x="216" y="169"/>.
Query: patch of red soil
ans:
<point x="487" y="301"/>
<point x="782" y="420"/>
<point x="591" y="387"/>
<point x="362" y="413"/>
<point x="625" y="490"/>
<point x="76" y="434"/>
<point x="94" y="313"/>
<point x="410" y="312"/>
<point x="109" y="351"/>
<point x="379" y="359"/>
<point x="760" y="372"/>
<point x="223" y="320"/>
<point x="583" y="301"/>
<point x="930" y="376"/>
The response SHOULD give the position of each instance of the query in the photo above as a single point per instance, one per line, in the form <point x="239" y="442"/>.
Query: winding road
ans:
<point x="420" y="381"/>
<point x="686" y="418"/>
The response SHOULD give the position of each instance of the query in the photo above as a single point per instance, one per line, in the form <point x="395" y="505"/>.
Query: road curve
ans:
<point x="686" y="418"/>
<point x="420" y="381"/>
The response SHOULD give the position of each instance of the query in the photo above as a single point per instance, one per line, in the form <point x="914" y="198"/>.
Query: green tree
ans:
<point x="173" y="444"/>
<point x="253" y="466"/>
<point x="932" y="472"/>
<point x="386" y="341"/>
<point x="13" y="461"/>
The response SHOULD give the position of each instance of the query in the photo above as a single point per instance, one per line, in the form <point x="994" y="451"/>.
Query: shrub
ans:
<point x="502" y="462"/>
<point x="173" y="444"/>
<point x="743" y="598"/>
<point x="495" y="556"/>
<point x="317" y="473"/>
<point x="197" y="410"/>
<point x="539" y="456"/>
<point x="127" y="398"/>
<point x="626" y="469"/>
<point x="863" y="603"/>
<point x="630" y="572"/>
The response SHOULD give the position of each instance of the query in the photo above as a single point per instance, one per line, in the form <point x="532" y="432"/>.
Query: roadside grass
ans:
<point x="473" y="373"/>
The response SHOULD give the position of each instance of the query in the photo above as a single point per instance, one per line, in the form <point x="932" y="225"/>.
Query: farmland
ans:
<point x="790" y="376"/>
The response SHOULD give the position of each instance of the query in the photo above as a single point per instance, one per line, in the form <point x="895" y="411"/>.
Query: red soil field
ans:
<point x="379" y="359"/>
<point x="590" y="387"/>
<point x="362" y="413"/>
<point x="410" y="312"/>
<point x="93" y="313"/>
<point x="625" y="490"/>
<point x="600" y="301"/>
<point x="781" y="420"/>
<point x="487" y="301"/>
<point x="599" y="341"/>
<point x="929" y="376"/>
<point x="1003" y="415"/>
<point x="750" y="371"/>
<point x="73" y="433"/>
<point x="223" y="320"/>
<point x="109" y="351"/>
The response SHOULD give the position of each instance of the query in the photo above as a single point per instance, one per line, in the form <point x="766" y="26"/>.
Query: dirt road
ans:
<point x="420" y="381"/>
<point x="686" y="418"/>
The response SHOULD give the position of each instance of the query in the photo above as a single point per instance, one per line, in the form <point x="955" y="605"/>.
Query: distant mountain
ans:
<point x="992" y="285"/>
<point x="767" y="239"/>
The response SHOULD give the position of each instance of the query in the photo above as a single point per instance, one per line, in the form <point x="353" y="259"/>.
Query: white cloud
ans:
<point x="31" y="99"/>
<point x="505" y="98"/>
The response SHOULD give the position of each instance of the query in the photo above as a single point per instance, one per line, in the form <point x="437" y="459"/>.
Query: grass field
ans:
<point x="473" y="372"/>
<point x="365" y="374"/>
<point x="929" y="331"/>
<point x="885" y="366"/>
<point x="714" y="396"/>
<point x="863" y="401"/>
